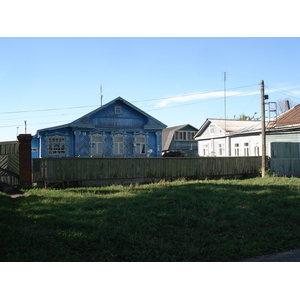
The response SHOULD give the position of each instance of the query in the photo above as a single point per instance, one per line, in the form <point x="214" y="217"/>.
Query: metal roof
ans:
<point x="290" y="118"/>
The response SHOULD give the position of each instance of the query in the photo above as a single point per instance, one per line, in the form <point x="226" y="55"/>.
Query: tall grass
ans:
<point x="217" y="220"/>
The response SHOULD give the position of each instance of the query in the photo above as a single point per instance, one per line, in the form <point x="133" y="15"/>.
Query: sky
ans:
<point x="168" y="58"/>
<point x="50" y="81"/>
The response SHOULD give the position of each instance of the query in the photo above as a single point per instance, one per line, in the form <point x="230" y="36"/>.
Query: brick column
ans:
<point x="25" y="160"/>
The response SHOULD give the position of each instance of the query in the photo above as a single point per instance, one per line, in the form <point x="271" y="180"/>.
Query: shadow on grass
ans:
<point x="192" y="221"/>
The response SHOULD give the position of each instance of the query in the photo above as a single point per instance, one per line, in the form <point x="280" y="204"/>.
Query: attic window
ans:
<point x="184" y="135"/>
<point x="118" y="109"/>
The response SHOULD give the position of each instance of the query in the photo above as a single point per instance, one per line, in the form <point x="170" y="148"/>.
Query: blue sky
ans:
<point x="51" y="81"/>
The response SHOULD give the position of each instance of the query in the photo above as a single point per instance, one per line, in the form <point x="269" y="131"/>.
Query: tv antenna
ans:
<point x="101" y="96"/>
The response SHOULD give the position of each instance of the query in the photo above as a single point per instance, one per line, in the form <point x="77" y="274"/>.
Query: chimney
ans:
<point x="287" y="105"/>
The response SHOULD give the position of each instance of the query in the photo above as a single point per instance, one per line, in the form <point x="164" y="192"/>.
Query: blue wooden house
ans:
<point x="116" y="129"/>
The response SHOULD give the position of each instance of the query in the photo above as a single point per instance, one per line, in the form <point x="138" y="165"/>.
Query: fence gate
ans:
<point x="285" y="159"/>
<point x="9" y="163"/>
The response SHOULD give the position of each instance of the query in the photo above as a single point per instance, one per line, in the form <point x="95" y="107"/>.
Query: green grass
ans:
<point x="214" y="220"/>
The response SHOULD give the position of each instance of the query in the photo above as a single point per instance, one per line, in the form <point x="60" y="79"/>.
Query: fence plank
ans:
<point x="99" y="170"/>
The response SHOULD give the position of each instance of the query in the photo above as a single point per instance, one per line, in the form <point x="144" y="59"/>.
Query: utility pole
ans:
<point x="225" y="144"/>
<point x="263" y="129"/>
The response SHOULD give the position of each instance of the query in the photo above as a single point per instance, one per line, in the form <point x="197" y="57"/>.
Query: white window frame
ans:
<point x="56" y="145"/>
<point x="221" y="149"/>
<point x="118" y="109"/>
<point x="246" y="149"/>
<point x="140" y="144"/>
<point x="256" y="150"/>
<point x="184" y="135"/>
<point x="205" y="149"/>
<point x="118" y="144"/>
<point x="236" y="149"/>
<point x="97" y="144"/>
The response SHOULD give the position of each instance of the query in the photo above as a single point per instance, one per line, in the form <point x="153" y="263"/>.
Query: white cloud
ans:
<point x="202" y="96"/>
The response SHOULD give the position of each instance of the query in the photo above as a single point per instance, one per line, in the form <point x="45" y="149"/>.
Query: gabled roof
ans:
<point x="229" y="126"/>
<point x="290" y="118"/>
<point x="168" y="133"/>
<point x="85" y="121"/>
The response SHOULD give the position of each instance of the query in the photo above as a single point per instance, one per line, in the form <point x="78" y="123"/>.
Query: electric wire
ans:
<point x="193" y="102"/>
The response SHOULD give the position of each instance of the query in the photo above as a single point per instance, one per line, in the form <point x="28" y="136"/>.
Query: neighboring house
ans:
<point x="116" y="129"/>
<point x="286" y="128"/>
<point x="180" y="139"/>
<point x="219" y="137"/>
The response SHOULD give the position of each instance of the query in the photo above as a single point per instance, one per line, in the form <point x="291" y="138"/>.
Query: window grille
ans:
<point x="56" y="145"/>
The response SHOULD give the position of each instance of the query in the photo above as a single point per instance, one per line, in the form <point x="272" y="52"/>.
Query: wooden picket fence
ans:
<point x="103" y="171"/>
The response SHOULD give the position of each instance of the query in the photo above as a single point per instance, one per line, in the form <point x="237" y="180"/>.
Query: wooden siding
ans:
<point x="9" y="162"/>
<point x="285" y="159"/>
<point x="98" y="171"/>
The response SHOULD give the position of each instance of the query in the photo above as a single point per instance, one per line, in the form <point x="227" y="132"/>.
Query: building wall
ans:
<point x="292" y="136"/>
<point x="246" y="145"/>
<point x="80" y="143"/>
<point x="117" y="129"/>
<point x="228" y="146"/>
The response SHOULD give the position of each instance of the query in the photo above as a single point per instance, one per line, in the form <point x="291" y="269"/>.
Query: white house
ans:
<point x="220" y="137"/>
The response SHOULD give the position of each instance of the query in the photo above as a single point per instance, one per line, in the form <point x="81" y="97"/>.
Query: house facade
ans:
<point x="116" y="129"/>
<point x="180" y="139"/>
<point x="219" y="137"/>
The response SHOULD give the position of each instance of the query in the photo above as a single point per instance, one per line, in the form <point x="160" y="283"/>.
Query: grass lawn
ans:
<point x="203" y="221"/>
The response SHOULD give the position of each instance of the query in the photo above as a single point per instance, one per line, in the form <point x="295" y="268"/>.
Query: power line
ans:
<point x="76" y="107"/>
<point x="46" y="109"/>
<point x="192" y="94"/>
<point x="285" y="92"/>
<point x="86" y="106"/>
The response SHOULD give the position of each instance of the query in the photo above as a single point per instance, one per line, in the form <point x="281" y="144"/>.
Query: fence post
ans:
<point x="25" y="160"/>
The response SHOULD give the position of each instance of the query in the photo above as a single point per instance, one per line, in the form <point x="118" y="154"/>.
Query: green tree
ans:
<point x="248" y="118"/>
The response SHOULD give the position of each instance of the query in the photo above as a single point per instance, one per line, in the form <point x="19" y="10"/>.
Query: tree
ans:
<point x="247" y="118"/>
<point x="284" y="105"/>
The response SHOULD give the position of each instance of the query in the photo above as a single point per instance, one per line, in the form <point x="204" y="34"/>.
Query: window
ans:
<point x="212" y="129"/>
<point x="221" y="149"/>
<point x="118" y="109"/>
<point x="140" y="144"/>
<point x="56" y="145"/>
<point x="96" y="145"/>
<point x="118" y="144"/>
<point x="185" y="135"/>
<point x="246" y="149"/>
<point x="256" y="151"/>
<point x="236" y="149"/>
<point x="205" y="150"/>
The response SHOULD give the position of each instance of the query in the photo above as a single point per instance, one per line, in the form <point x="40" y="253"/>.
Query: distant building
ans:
<point x="116" y="129"/>
<point x="219" y="137"/>
<point x="180" y="139"/>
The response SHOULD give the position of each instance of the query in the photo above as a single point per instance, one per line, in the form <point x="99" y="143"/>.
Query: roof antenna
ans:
<point x="25" y="127"/>
<point x="101" y="96"/>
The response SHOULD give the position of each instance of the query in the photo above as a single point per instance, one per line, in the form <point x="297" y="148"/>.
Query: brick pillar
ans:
<point x="25" y="160"/>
